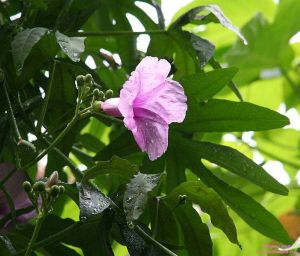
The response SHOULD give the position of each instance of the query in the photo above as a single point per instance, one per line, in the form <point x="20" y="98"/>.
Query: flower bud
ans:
<point x="27" y="186"/>
<point x="88" y="79"/>
<point x="109" y="93"/>
<point x="62" y="189"/>
<point x="54" y="191"/>
<point x="52" y="180"/>
<point x="39" y="186"/>
<point x="97" y="105"/>
<point x="80" y="80"/>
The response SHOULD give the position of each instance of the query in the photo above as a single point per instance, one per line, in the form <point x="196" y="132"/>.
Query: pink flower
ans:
<point x="149" y="102"/>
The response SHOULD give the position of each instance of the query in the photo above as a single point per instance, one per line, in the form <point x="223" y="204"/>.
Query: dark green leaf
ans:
<point x="204" y="49"/>
<point x="209" y="202"/>
<point x="196" y="234"/>
<point x="135" y="196"/>
<point x="202" y="86"/>
<point x="90" y="142"/>
<point x="116" y="166"/>
<point x="228" y="116"/>
<point x="92" y="201"/>
<point x="237" y="163"/>
<point x="193" y="16"/>
<point x="23" y="43"/>
<point x="72" y="46"/>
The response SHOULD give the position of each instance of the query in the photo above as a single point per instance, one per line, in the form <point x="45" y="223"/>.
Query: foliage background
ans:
<point x="268" y="75"/>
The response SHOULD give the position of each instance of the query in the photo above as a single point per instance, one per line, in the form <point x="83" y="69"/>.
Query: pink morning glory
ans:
<point x="149" y="102"/>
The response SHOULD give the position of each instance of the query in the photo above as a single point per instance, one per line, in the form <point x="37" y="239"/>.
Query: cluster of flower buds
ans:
<point x="88" y="87"/>
<point x="44" y="192"/>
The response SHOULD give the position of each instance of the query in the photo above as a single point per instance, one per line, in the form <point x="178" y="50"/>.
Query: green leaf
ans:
<point x="202" y="86"/>
<point x="23" y="43"/>
<point x="237" y="163"/>
<point x="204" y="49"/>
<point x="72" y="46"/>
<point x="91" y="142"/>
<point x="216" y="16"/>
<point x="135" y="196"/>
<point x="228" y="116"/>
<point x="247" y="208"/>
<point x="196" y="234"/>
<point x="209" y="202"/>
<point x="92" y="201"/>
<point x="116" y="166"/>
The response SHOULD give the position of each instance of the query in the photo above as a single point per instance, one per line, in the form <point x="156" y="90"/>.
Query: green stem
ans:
<point x="34" y="235"/>
<point x="156" y="218"/>
<point x="293" y="85"/>
<point x="10" y="204"/>
<point x="148" y="238"/>
<point x="46" y="100"/>
<point x="10" y="112"/>
<point x="115" y="33"/>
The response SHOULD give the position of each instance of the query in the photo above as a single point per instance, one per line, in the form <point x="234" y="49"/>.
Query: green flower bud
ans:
<point x="80" y="80"/>
<point x="62" y="189"/>
<point x="88" y="79"/>
<point x="97" y="105"/>
<point x="39" y="186"/>
<point x="27" y="186"/>
<point x="109" y="93"/>
<point x="54" y="191"/>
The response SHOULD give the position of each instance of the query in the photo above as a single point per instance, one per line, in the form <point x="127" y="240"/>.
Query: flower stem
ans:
<point x="115" y="33"/>
<point x="148" y="238"/>
<point x="46" y="101"/>
<point x="35" y="234"/>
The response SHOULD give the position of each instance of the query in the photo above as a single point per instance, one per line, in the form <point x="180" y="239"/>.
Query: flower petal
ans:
<point x="151" y="133"/>
<point x="152" y="73"/>
<point x="167" y="100"/>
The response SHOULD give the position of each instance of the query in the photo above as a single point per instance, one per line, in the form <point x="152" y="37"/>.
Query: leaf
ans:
<point x="237" y="163"/>
<point x="228" y="116"/>
<point x="196" y="234"/>
<point x="92" y="201"/>
<point x="209" y="202"/>
<point x="91" y="142"/>
<point x="23" y="43"/>
<point x="247" y="208"/>
<point x="218" y="16"/>
<point x="72" y="46"/>
<point x="202" y="86"/>
<point x="204" y="49"/>
<point x="135" y="196"/>
<point x="116" y="166"/>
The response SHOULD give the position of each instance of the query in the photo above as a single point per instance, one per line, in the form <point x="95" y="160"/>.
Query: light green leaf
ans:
<point x="72" y="46"/>
<point x="23" y="43"/>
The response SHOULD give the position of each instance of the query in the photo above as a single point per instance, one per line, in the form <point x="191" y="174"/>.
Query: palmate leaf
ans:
<point x="209" y="202"/>
<point x="202" y="86"/>
<point x="229" y="116"/>
<point x="72" y="46"/>
<point x="247" y="208"/>
<point x="135" y="196"/>
<point x="237" y="163"/>
<point x="196" y="234"/>
<point x="23" y="43"/>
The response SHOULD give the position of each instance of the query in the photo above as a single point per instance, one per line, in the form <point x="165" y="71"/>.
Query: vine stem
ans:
<point x="35" y="234"/>
<point x="115" y="33"/>
<point x="148" y="238"/>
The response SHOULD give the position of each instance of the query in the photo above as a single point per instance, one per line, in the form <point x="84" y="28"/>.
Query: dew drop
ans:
<point x="83" y="218"/>
<point x="130" y="225"/>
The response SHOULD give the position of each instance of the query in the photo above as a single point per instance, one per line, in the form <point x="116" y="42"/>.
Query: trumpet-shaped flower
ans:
<point x="149" y="102"/>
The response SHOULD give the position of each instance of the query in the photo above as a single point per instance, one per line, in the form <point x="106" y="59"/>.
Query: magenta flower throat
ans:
<point x="149" y="102"/>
